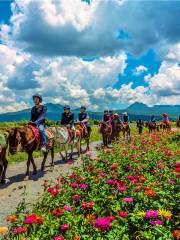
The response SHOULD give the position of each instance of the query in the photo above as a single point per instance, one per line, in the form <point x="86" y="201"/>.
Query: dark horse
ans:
<point x="106" y="131"/>
<point x="153" y="126"/>
<point x="85" y="133"/>
<point x="26" y="137"/>
<point x="165" y="126"/>
<point x="3" y="160"/>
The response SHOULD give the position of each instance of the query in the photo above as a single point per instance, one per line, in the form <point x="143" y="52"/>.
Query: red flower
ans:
<point x="19" y="230"/>
<point x="123" y="214"/>
<point x="58" y="212"/>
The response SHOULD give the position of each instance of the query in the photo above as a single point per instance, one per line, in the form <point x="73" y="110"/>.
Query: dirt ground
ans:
<point x="11" y="193"/>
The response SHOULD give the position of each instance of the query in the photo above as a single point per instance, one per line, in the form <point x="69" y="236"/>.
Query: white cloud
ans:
<point x="174" y="53"/>
<point x="139" y="70"/>
<point x="167" y="81"/>
<point x="76" y="28"/>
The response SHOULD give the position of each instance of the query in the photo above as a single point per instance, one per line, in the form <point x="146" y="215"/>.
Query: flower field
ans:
<point x="128" y="192"/>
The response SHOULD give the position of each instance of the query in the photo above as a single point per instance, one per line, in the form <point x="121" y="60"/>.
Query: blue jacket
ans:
<point x="38" y="114"/>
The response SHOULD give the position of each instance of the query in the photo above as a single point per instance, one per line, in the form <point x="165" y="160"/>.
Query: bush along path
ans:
<point x="128" y="192"/>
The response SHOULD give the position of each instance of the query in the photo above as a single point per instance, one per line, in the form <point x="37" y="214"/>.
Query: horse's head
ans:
<point x="13" y="140"/>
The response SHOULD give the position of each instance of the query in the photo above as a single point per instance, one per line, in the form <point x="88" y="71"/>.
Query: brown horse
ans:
<point x="3" y="160"/>
<point x="85" y="133"/>
<point x="116" y="129"/>
<point x="106" y="131"/>
<point x="166" y="126"/>
<point x="153" y="127"/>
<point x="178" y="123"/>
<point x="25" y="136"/>
<point x="126" y="130"/>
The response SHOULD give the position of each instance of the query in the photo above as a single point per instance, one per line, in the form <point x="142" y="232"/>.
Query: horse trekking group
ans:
<point x="68" y="134"/>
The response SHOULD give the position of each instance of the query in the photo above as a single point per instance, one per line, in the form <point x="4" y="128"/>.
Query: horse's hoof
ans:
<point x="3" y="181"/>
<point x="42" y="169"/>
<point x="34" y="172"/>
<point x="52" y="164"/>
<point x="26" y="178"/>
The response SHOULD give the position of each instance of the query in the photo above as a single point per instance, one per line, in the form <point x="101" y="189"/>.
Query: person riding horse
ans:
<point x="83" y="118"/>
<point x="140" y="125"/>
<point x="67" y="119"/>
<point x="38" y="113"/>
<point x="116" y="126"/>
<point x="165" y="119"/>
<point x="126" y="120"/>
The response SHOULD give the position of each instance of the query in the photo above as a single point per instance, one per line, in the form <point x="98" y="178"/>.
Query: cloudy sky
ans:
<point x="99" y="53"/>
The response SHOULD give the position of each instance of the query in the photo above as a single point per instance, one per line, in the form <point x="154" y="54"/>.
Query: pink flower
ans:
<point x="170" y="181"/>
<point x="74" y="185"/>
<point x="121" y="189"/>
<point x="168" y="217"/>
<point x="111" y="182"/>
<point x="143" y="142"/>
<point x="83" y="186"/>
<point x="76" y="198"/>
<point x="53" y="191"/>
<point x="123" y="214"/>
<point x="151" y="214"/>
<point x="103" y="174"/>
<point x="67" y="208"/>
<point x="130" y="177"/>
<point x="19" y="230"/>
<point x="157" y="222"/>
<point x="58" y="238"/>
<point x="88" y="205"/>
<point x="103" y="224"/>
<point x="30" y="219"/>
<point x="64" y="227"/>
<point x="128" y="200"/>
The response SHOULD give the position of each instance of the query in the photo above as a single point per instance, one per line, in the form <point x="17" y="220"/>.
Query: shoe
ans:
<point x="43" y="148"/>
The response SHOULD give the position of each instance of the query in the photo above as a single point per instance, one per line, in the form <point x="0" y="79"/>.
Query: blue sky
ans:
<point x="5" y="10"/>
<point x="108" y="54"/>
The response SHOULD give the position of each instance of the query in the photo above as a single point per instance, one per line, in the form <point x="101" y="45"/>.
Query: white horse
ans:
<point x="64" y="141"/>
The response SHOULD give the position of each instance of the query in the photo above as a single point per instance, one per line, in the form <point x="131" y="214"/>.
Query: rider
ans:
<point x="111" y="114"/>
<point x="152" y="119"/>
<point x="126" y="119"/>
<point x="38" y="113"/>
<point x="83" y="117"/>
<point x="106" y="117"/>
<point x="165" y="118"/>
<point x="140" y="125"/>
<point x="67" y="117"/>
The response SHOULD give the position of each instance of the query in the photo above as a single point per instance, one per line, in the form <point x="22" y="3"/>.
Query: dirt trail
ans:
<point x="11" y="192"/>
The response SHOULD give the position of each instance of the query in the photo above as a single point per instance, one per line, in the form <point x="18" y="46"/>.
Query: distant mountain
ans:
<point x="136" y="110"/>
<point x="142" y="109"/>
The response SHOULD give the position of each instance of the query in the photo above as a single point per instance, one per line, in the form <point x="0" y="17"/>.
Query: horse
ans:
<point x="126" y="130"/>
<point x="106" y="131"/>
<point x="64" y="140"/>
<point x="152" y="126"/>
<point x="3" y="160"/>
<point x="178" y="123"/>
<point x="85" y="133"/>
<point x="26" y="136"/>
<point x="165" y="126"/>
<point x="116" y="129"/>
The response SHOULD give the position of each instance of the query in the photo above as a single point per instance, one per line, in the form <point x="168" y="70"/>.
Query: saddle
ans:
<point x="49" y="136"/>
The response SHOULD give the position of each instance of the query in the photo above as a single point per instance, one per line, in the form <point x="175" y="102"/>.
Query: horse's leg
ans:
<point x="52" y="156"/>
<point x="87" y="149"/>
<point x="33" y="164"/>
<point x="28" y="164"/>
<point x="61" y="147"/>
<point x="4" y="171"/>
<point x="44" y="161"/>
<point x="1" y="171"/>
